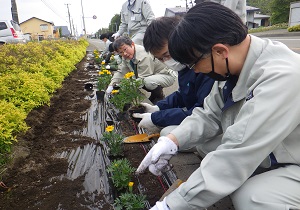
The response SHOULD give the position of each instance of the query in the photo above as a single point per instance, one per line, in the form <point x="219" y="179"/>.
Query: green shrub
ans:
<point x="294" y="28"/>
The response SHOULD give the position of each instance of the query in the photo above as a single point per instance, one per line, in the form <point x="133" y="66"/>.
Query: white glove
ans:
<point x="116" y="35"/>
<point x="107" y="66"/>
<point x="109" y="89"/>
<point x="150" y="108"/>
<point x="161" y="205"/>
<point x="146" y="121"/>
<point x="157" y="159"/>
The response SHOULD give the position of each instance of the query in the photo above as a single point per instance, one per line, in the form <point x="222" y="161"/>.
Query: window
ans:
<point x="3" y="26"/>
<point x="44" y="27"/>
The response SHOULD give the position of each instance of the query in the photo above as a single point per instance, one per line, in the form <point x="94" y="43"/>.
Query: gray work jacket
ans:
<point x="264" y="122"/>
<point x="135" y="19"/>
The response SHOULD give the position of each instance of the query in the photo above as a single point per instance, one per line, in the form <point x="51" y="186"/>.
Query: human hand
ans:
<point x="157" y="159"/>
<point x="161" y="205"/>
<point x="116" y="35"/>
<point x="150" y="108"/>
<point x="146" y="121"/>
<point x="109" y="89"/>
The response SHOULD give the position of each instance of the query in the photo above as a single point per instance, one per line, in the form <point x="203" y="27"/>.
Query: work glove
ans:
<point x="157" y="159"/>
<point x="109" y="89"/>
<point x="146" y="121"/>
<point x="107" y="67"/>
<point x="161" y="205"/>
<point x="116" y="35"/>
<point x="150" y="108"/>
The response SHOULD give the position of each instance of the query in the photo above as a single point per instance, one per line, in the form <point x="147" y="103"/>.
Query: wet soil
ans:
<point x="60" y="164"/>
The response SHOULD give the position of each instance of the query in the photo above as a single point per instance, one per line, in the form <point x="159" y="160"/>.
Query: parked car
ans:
<point x="10" y="32"/>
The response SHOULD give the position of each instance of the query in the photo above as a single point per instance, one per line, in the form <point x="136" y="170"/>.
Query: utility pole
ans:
<point x="69" y="19"/>
<point x="84" y="29"/>
<point x="14" y="11"/>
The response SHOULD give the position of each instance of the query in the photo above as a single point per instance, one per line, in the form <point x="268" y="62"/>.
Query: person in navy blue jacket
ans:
<point x="193" y="87"/>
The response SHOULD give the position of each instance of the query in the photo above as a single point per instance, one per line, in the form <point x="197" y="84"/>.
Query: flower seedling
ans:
<point x="113" y="140"/>
<point x="121" y="171"/>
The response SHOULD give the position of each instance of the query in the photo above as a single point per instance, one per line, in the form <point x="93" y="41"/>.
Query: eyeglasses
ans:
<point x="191" y="66"/>
<point x="124" y="51"/>
<point x="166" y="56"/>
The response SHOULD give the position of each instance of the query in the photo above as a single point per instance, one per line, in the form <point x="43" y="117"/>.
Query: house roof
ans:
<point x="64" y="30"/>
<point x="38" y="19"/>
<point x="177" y="10"/>
<point x="260" y="16"/>
<point x="250" y="8"/>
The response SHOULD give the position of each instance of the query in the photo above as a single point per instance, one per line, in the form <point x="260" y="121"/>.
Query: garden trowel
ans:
<point x="139" y="138"/>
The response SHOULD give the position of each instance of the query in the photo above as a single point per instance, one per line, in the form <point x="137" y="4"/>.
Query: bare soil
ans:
<point x="36" y="177"/>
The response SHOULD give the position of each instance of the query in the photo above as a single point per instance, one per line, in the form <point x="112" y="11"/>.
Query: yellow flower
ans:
<point x="101" y="72"/>
<point x="114" y="91"/>
<point x="103" y="62"/>
<point x="109" y="128"/>
<point x="129" y="75"/>
<point x="130" y="184"/>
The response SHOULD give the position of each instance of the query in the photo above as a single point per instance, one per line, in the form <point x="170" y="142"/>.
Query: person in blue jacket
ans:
<point x="193" y="87"/>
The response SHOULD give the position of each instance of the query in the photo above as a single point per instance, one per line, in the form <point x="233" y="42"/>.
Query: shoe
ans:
<point x="156" y="95"/>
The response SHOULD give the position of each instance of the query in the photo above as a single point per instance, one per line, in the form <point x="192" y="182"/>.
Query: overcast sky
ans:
<point x="56" y="11"/>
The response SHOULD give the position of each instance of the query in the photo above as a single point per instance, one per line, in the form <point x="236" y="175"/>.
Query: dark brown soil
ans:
<point x="34" y="176"/>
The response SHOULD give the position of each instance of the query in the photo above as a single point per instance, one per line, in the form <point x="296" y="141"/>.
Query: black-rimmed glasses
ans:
<point x="191" y="66"/>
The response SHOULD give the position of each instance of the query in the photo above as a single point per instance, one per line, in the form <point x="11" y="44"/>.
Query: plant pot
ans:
<point x="88" y="86"/>
<point x="100" y="95"/>
<point x="136" y="109"/>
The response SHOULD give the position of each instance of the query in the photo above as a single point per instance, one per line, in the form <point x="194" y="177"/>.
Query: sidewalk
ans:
<point x="277" y="33"/>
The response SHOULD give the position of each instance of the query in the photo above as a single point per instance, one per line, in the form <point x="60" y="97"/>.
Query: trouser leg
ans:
<point x="278" y="189"/>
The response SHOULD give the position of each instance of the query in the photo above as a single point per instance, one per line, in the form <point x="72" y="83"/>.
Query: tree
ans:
<point x="263" y="5"/>
<point x="114" y="23"/>
<point x="280" y="11"/>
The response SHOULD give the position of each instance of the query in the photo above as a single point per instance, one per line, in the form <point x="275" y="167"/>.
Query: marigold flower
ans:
<point x="114" y="91"/>
<point x="130" y="185"/>
<point x="129" y="75"/>
<point x="109" y="128"/>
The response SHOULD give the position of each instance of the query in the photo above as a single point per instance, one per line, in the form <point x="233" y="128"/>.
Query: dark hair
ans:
<point x="203" y="26"/>
<point x="111" y="47"/>
<point x="119" y="42"/>
<point x="157" y="33"/>
<point x="103" y="36"/>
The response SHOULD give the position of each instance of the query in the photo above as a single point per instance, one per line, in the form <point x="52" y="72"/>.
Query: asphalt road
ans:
<point x="292" y="42"/>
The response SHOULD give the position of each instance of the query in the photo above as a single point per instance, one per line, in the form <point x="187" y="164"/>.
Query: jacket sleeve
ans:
<point x="147" y="12"/>
<point x="119" y="74"/>
<point x="124" y="19"/>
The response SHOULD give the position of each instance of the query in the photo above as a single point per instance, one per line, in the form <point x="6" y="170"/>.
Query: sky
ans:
<point x="56" y="11"/>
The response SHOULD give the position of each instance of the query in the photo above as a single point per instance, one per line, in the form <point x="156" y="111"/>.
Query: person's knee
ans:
<point x="248" y="197"/>
<point x="149" y="86"/>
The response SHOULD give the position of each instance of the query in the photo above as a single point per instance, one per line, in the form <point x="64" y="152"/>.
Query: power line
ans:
<point x="52" y="9"/>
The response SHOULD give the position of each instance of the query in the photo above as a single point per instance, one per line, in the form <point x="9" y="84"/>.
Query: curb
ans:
<point x="283" y="34"/>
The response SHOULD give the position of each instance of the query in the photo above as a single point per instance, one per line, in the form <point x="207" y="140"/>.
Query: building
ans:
<point x="261" y="20"/>
<point x="294" y="13"/>
<point x="251" y="12"/>
<point x="175" y="11"/>
<point x="64" y="31"/>
<point x="38" y="29"/>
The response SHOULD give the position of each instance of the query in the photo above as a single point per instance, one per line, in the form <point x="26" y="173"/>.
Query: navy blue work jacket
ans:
<point x="193" y="88"/>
